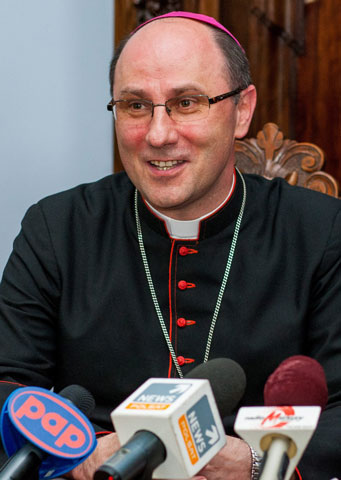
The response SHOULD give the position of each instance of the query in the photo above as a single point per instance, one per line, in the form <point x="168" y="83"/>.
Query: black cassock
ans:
<point x="76" y="306"/>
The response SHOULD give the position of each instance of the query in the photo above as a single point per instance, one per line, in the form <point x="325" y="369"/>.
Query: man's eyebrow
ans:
<point x="133" y="91"/>
<point x="183" y="89"/>
<point x="187" y="88"/>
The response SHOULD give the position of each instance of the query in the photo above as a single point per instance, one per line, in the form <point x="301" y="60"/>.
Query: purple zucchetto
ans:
<point x="193" y="16"/>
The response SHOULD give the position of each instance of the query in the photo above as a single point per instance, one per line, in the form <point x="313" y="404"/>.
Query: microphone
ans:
<point x="227" y="380"/>
<point x="283" y="431"/>
<point x="45" y="434"/>
<point x="172" y="426"/>
<point x="298" y="380"/>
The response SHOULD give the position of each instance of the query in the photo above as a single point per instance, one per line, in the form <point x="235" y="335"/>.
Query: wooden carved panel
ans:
<point x="318" y="116"/>
<point x="272" y="34"/>
<point x="270" y="155"/>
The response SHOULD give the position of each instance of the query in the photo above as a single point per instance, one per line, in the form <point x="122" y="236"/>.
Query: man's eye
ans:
<point x="186" y="103"/>
<point x="136" y="106"/>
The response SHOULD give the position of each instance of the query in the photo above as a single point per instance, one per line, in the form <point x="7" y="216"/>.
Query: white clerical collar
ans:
<point x="188" y="229"/>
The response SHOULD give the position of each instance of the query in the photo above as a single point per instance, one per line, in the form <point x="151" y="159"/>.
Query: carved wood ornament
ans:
<point x="271" y="156"/>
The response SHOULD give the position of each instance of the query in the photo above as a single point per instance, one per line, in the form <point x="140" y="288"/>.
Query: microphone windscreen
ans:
<point x="227" y="379"/>
<point x="80" y="397"/>
<point x="298" y="380"/>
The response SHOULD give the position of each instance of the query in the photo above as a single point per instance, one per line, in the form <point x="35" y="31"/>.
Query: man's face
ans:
<point x="164" y="59"/>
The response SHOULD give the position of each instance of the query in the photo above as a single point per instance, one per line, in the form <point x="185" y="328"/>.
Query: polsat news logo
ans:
<point x="51" y="423"/>
<point x="279" y="417"/>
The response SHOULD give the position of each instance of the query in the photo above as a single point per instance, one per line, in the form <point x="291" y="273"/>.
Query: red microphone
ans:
<point x="294" y="395"/>
<point x="298" y="380"/>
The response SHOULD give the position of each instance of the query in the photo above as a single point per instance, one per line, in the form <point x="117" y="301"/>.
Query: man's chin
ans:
<point x="178" y="209"/>
<point x="166" y="204"/>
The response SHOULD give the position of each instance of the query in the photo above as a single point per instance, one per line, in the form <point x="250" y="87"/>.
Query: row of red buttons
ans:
<point x="182" y="322"/>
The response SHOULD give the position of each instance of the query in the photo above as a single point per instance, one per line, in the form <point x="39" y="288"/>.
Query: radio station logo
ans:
<point x="279" y="417"/>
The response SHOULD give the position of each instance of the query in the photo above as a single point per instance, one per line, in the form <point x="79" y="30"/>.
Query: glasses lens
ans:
<point x="133" y="111"/>
<point x="188" y="108"/>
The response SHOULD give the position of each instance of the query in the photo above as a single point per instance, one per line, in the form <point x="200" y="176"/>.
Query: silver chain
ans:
<point x="222" y="287"/>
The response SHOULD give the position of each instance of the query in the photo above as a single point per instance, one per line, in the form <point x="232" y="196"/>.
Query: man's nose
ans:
<point x="162" y="129"/>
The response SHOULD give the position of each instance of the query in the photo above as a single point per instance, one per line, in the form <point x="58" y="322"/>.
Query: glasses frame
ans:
<point x="211" y="101"/>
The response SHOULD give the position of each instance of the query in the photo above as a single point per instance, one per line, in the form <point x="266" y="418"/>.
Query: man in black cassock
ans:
<point x="180" y="259"/>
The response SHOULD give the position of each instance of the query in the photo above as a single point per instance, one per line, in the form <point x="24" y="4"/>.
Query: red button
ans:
<point x="181" y="322"/>
<point x="182" y="284"/>
<point x="180" y="360"/>
<point x="183" y="251"/>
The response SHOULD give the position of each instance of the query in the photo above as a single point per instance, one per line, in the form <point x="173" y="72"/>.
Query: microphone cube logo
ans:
<point x="49" y="422"/>
<point x="279" y="417"/>
<point x="199" y="430"/>
<point x="158" y="396"/>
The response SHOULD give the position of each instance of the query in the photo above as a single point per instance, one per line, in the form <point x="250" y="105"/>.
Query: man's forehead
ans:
<point x="175" y="30"/>
<point x="170" y="39"/>
<point x="173" y="50"/>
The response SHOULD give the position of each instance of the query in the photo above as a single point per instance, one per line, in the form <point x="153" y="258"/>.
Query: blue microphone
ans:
<point x="45" y="434"/>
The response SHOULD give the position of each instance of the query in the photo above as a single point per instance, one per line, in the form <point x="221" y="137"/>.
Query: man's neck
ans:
<point x="188" y="229"/>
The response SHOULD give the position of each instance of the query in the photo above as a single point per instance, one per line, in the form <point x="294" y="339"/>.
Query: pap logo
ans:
<point x="50" y="422"/>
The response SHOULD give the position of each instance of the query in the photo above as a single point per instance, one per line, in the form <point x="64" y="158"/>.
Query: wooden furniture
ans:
<point x="271" y="156"/>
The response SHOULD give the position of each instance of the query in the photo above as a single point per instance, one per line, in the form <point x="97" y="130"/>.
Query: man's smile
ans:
<point x="165" y="165"/>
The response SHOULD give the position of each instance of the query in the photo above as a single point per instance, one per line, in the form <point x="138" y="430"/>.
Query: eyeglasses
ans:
<point x="185" y="108"/>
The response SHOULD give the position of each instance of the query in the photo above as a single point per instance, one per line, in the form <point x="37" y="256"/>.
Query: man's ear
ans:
<point x="246" y="106"/>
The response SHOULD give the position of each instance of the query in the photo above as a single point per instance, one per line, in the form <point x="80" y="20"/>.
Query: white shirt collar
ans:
<point x="188" y="229"/>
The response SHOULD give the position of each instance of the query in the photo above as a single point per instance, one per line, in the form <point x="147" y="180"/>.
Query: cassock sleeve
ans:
<point x="29" y="297"/>
<point x="30" y="291"/>
<point x="322" y="458"/>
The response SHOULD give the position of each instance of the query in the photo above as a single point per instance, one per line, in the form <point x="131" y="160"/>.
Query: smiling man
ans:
<point x="181" y="258"/>
<point x="180" y="156"/>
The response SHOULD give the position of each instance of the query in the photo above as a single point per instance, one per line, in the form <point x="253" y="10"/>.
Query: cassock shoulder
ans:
<point x="298" y="204"/>
<point x="91" y="197"/>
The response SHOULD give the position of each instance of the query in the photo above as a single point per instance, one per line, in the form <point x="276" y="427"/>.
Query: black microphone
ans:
<point x="173" y="426"/>
<point x="44" y="434"/>
<point x="227" y="380"/>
